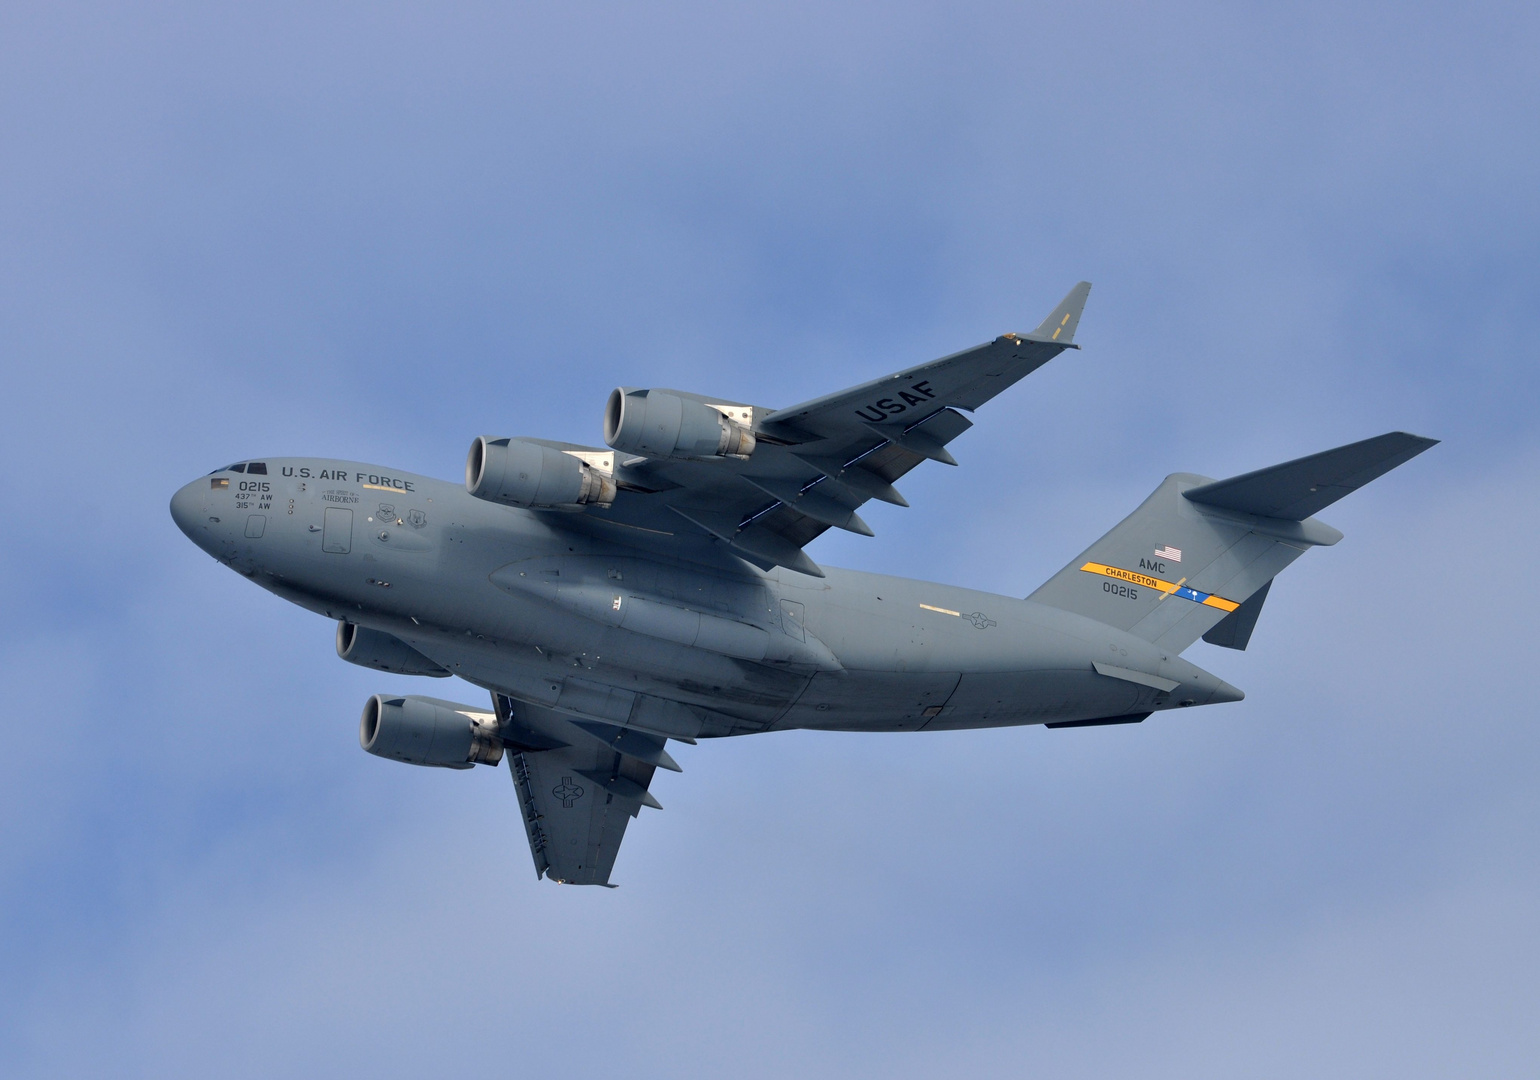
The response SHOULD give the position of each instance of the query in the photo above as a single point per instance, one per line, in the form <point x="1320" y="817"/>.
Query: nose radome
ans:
<point x="187" y="508"/>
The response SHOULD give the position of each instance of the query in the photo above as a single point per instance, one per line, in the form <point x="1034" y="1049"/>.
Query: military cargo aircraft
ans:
<point x="613" y="598"/>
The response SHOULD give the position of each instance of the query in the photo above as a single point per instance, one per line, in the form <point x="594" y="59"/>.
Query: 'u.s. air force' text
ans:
<point x="367" y="479"/>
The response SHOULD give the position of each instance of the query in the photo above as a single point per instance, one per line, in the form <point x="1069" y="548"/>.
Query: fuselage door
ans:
<point x="337" y="536"/>
<point x="792" y="616"/>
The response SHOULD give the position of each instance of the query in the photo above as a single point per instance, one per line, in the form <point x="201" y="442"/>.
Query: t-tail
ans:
<point x="1199" y="555"/>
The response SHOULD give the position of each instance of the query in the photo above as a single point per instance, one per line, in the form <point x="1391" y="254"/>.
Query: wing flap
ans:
<point x="819" y="461"/>
<point x="575" y="825"/>
<point x="578" y="787"/>
<point x="860" y="481"/>
<point x="763" y="545"/>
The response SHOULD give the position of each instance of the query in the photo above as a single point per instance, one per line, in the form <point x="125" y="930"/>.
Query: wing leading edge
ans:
<point x="815" y="464"/>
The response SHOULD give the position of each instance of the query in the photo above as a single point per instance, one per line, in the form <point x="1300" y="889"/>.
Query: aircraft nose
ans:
<point x="187" y="508"/>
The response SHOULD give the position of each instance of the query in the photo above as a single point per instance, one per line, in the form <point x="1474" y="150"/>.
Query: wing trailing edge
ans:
<point x="813" y="465"/>
<point x="579" y="783"/>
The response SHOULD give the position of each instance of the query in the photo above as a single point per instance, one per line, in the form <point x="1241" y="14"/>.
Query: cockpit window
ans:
<point x="237" y="468"/>
<point x="257" y="468"/>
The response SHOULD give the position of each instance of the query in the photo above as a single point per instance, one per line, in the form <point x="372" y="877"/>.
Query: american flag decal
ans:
<point x="1168" y="552"/>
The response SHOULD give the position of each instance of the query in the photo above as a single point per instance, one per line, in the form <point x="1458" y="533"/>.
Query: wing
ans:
<point x="814" y="464"/>
<point x="579" y="784"/>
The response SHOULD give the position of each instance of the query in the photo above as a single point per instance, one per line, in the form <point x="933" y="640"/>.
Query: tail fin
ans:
<point x="1196" y="559"/>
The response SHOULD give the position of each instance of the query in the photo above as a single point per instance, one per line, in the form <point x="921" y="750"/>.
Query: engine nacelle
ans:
<point x="656" y="424"/>
<point x="376" y="649"/>
<point x="427" y="731"/>
<point x="518" y="472"/>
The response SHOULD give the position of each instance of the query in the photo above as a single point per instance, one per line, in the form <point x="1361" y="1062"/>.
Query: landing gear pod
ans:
<point x="658" y="424"/>
<point x="427" y="731"/>
<point x="518" y="472"/>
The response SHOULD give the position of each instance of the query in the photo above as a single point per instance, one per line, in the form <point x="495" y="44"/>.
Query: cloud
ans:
<point x="377" y="231"/>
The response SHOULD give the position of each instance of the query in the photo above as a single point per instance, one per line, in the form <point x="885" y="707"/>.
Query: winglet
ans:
<point x="1059" y="327"/>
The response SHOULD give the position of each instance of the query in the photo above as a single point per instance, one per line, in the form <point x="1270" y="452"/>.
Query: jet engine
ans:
<point x="379" y="650"/>
<point x="528" y="474"/>
<point x="656" y="423"/>
<point x="427" y="731"/>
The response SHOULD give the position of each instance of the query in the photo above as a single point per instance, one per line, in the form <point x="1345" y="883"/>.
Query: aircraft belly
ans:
<point x="918" y="655"/>
<point x="432" y="582"/>
<point x="871" y="701"/>
<point x="735" y="696"/>
<point x="1002" y="698"/>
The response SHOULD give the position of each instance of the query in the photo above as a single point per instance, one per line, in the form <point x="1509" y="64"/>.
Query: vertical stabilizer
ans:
<point x="1196" y="557"/>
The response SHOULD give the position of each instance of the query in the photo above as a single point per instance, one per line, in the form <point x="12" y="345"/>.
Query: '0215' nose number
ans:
<point x="258" y="491"/>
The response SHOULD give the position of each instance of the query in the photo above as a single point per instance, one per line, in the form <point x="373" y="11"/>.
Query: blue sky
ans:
<point x="374" y="231"/>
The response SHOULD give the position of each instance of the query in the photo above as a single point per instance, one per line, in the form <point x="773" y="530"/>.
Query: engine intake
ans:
<point x="656" y="423"/>
<point x="518" y="472"/>
<point x="427" y="731"/>
<point x="383" y="652"/>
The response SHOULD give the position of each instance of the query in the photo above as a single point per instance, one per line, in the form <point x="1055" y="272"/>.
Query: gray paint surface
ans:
<point x="373" y="235"/>
<point x="687" y="609"/>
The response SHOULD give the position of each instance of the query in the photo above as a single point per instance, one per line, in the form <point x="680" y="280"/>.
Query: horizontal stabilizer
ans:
<point x="1301" y="488"/>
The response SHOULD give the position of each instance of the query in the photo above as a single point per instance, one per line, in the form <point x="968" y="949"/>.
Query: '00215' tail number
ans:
<point x="1117" y="588"/>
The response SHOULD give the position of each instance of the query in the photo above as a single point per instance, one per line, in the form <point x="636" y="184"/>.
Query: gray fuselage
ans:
<point x="546" y="607"/>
